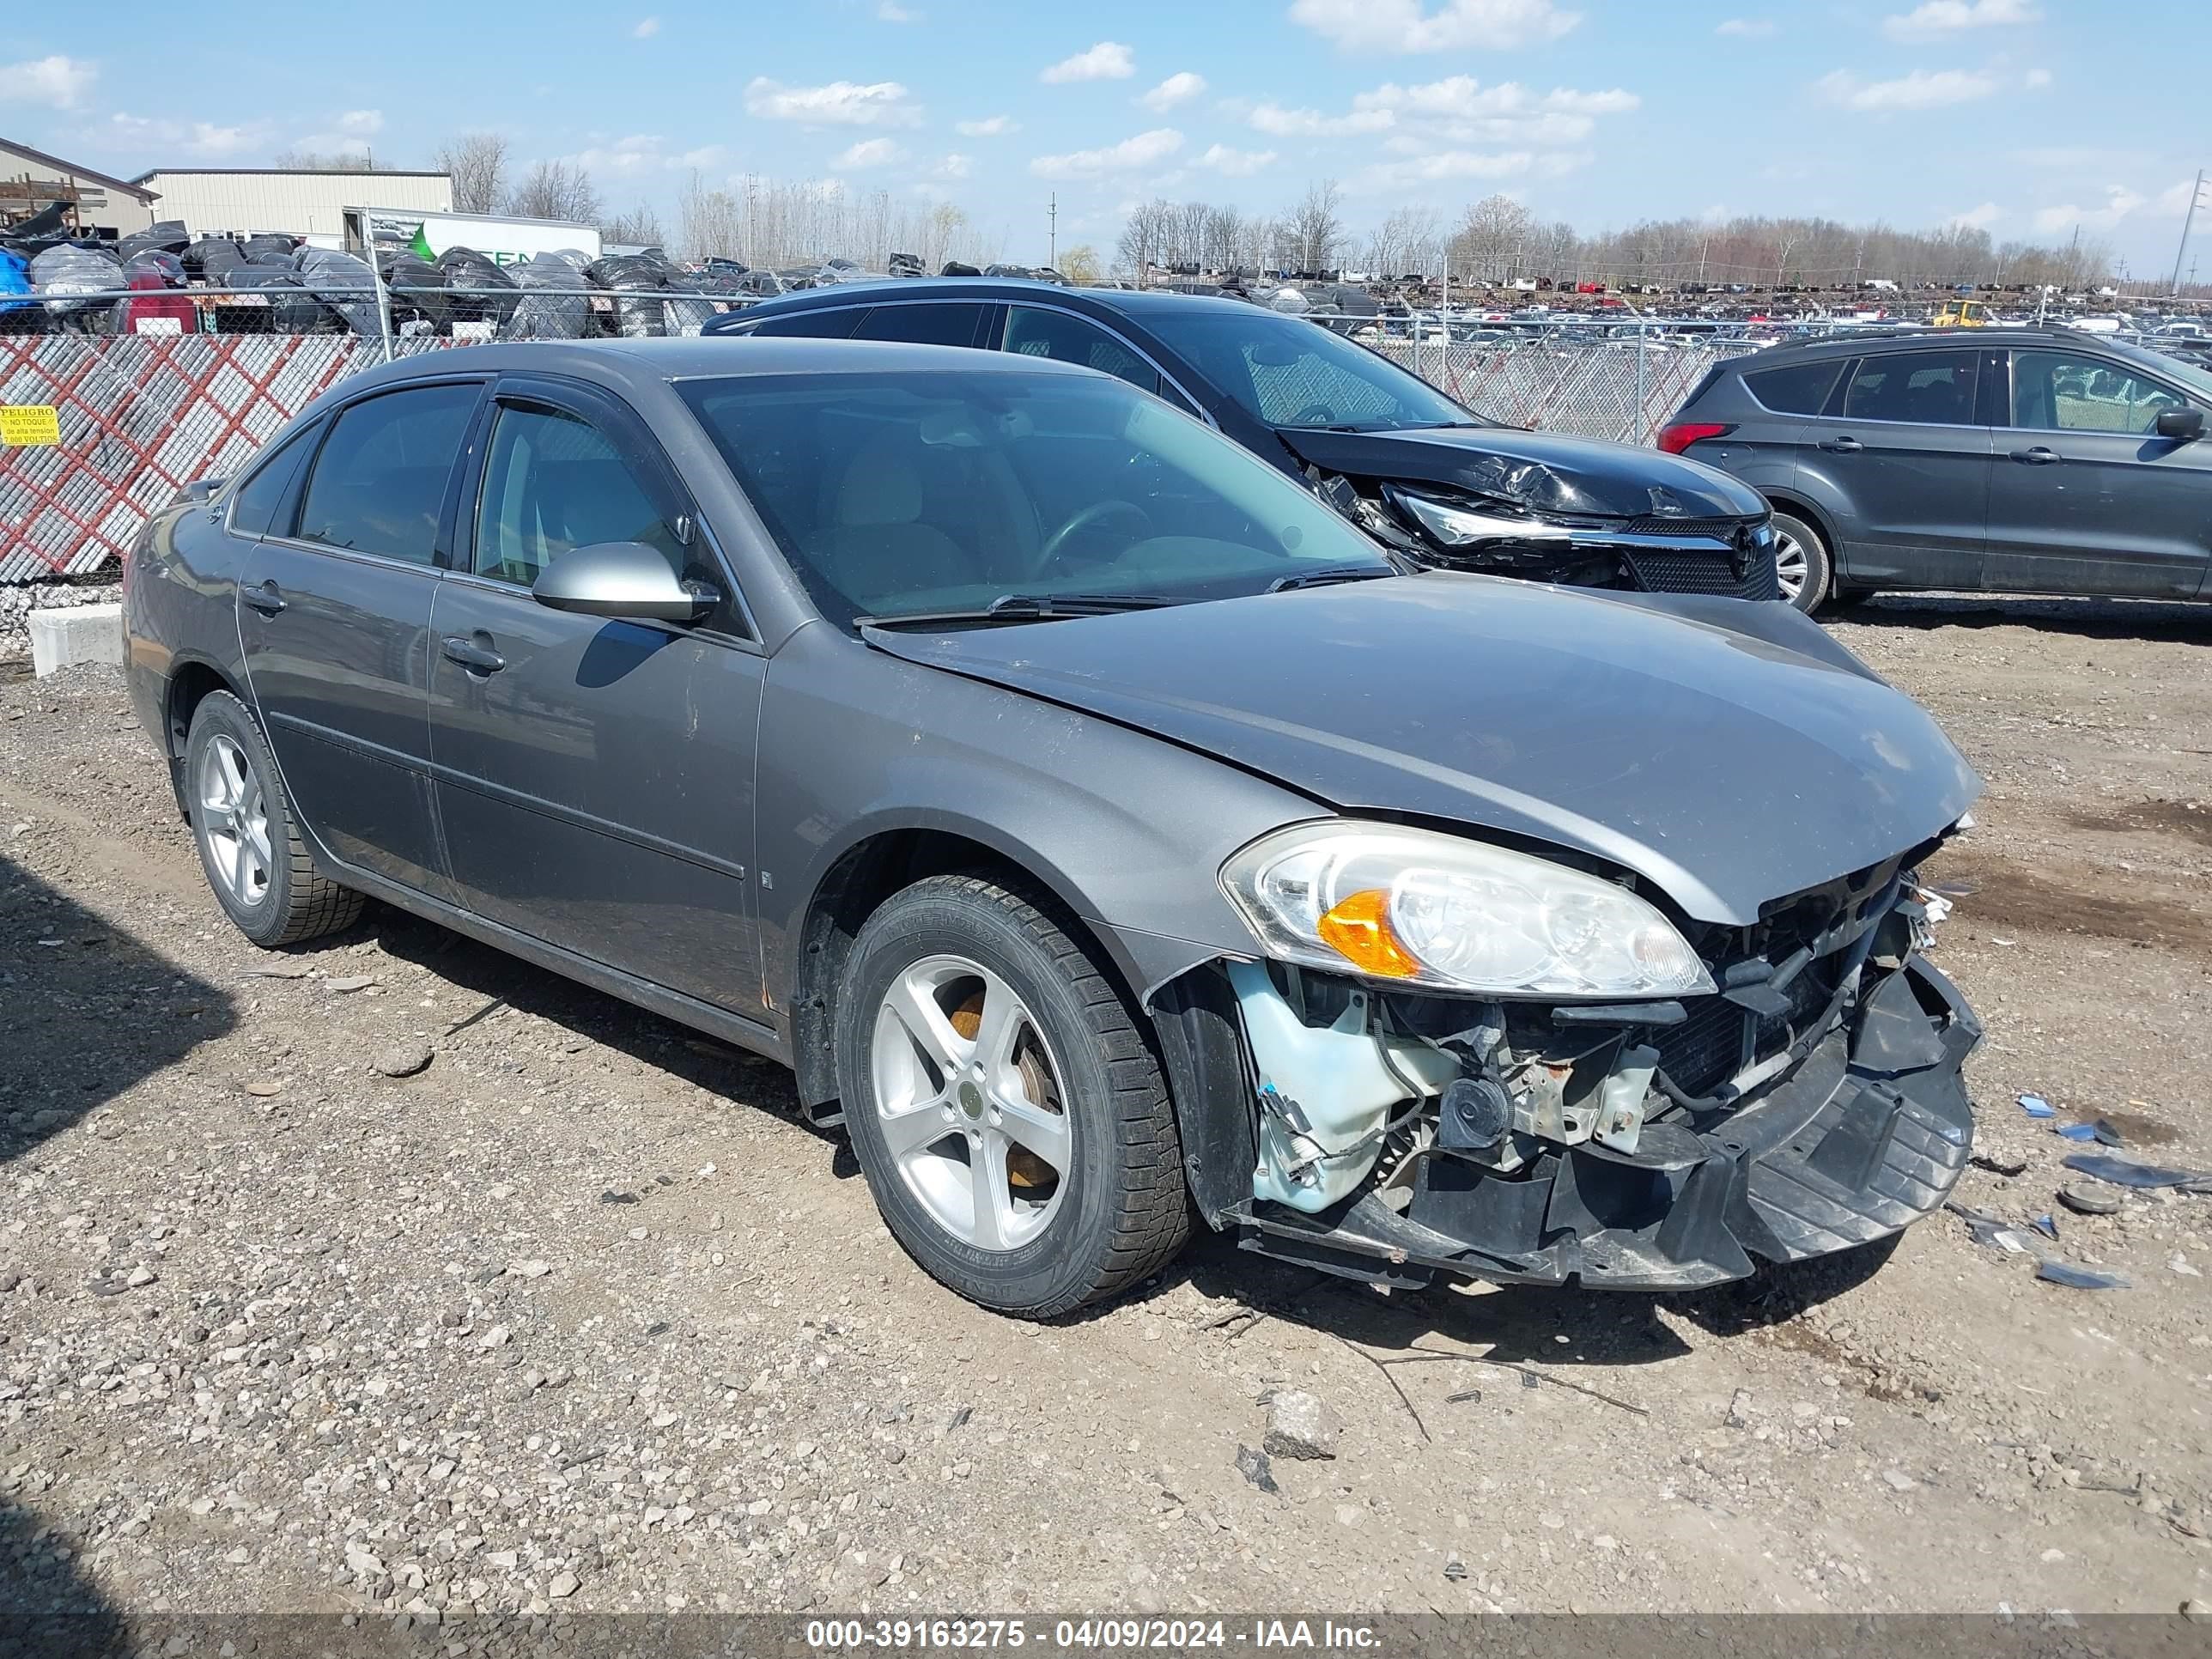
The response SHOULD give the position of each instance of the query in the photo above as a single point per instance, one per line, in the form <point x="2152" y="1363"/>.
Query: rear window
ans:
<point x="1797" y="389"/>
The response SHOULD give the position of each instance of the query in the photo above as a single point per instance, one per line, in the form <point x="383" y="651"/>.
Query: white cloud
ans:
<point x="355" y="129"/>
<point x="1405" y="25"/>
<point x="1109" y="60"/>
<point x="2120" y="201"/>
<point x="890" y="11"/>
<point x="2036" y="79"/>
<point x="646" y="29"/>
<point x="1461" y="97"/>
<point x="1745" y="28"/>
<point x="1312" y="123"/>
<point x="1445" y="165"/>
<point x="869" y="153"/>
<point x="954" y="165"/>
<point x="992" y="126"/>
<point x="840" y="104"/>
<point x="1977" y="218"/>
<point x="138" y="133"/>
<point x="1939" y="17"/>
<point x="1921" y="89"/>
<point x="1235" y="163"/>
<point x="57" y="81"/>
<point x="1175" y="89"/>
<point x="641" y="156"/>
<point x="362" y="123"/>
<point x="1130" y="156"/>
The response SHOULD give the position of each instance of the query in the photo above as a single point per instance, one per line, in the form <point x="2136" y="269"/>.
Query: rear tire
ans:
<point x="962" y="998"/>
<point x="249" y="844"/>
<point x="1803" y="568"/>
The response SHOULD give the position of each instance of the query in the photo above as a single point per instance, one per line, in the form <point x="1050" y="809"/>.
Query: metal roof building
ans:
<point x="297" y="202"/>
<point x="31" y="179"/>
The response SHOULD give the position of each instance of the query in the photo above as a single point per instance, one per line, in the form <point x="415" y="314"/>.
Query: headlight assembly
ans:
<point x="1452" y="525"/>
<point x="1426" y="909"/>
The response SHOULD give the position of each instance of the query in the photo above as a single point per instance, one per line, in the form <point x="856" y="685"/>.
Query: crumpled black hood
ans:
<point x="1545" y="471"/>
<point x="1728" y="751"/>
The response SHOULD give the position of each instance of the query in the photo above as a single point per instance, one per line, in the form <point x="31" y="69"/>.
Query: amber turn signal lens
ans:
<point x="1359" y="929"/>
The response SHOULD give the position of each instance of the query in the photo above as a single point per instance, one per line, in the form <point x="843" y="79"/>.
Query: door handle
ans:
<point x="1842" y="446"/>
<point x="264" y="598"/>
<point x="476" y="659"/>
<point x="2038" y="456"/>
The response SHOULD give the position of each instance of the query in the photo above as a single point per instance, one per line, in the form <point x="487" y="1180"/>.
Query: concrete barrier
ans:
<point x="64" y="638"/>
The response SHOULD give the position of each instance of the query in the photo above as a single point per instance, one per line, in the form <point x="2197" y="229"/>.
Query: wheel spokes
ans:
<point x="920" y="1125"/>
<point x="913" y="1003"/>
<point x="992" y="1228"/>
<point x="1034" y="1128"/>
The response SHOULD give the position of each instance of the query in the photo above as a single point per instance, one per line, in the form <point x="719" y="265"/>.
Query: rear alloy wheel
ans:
<point x="1011" y="1123"/>
<point x="256" y="863"/>
<point x="1801" y="568"/>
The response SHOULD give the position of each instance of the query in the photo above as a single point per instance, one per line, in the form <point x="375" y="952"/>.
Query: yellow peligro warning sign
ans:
<point x="26" y="424"/>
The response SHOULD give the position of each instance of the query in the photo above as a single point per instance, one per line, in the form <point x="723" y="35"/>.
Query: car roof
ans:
<point x="1854" y="342"/>
<point x="1125" y="300"/>
<point x="705" y="357"/>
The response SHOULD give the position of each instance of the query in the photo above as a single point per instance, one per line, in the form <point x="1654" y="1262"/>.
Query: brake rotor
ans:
<point x="1024" y="1168"/>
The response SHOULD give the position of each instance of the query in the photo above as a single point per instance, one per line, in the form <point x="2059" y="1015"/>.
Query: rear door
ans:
<point x="334" y="619"/>
<point x="2086" y="497"/>
<point x="595" y="777"/>
<point x="1902" y="461"/>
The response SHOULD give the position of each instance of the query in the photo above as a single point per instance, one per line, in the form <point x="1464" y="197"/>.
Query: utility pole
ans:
<point x="2186" y="224"/>
<point x="1052" y="232"/>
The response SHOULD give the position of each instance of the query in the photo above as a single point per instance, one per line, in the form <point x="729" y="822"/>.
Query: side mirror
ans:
<point x="622" y="579"/>
<point x="2182" y="425"/>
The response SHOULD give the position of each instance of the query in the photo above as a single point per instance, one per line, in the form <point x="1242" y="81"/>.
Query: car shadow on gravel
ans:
<point x="2175" y="621"/>
<point x="508" y="982"/>
<point x="91" y="1012"/>
<point x="47" y="1609"/>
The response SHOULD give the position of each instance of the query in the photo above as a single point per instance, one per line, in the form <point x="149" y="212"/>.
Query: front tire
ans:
<point x="1803" y="568"/>
<point x="249" y="844"/>
<point x="1012" y="1123"/>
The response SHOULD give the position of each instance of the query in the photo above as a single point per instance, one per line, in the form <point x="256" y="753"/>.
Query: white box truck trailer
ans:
<point x="503" y="241"/>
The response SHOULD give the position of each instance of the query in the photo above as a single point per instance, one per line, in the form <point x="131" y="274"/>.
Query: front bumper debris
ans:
<point x="1868" y="1134"/>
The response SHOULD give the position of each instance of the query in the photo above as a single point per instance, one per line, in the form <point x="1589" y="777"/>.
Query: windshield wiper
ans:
<point x="1025" y="607"/>
<point x="1335" y="573"/>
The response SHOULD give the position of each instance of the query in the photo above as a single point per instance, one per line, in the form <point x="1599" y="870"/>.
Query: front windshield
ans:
<point x="1287" y="372"/>
<point x="2192" y="376"/>
<point x="909" y="494"/>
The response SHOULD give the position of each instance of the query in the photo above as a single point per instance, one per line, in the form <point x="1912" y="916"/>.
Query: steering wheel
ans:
<point x="1314" y="415"/>
<point x="1085" y="519"/>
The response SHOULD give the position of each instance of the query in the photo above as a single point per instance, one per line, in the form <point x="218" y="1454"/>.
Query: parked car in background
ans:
<point x="1433" y="479"/>
<point x="1099" y="823"/>
<point x="2006" y="460"/>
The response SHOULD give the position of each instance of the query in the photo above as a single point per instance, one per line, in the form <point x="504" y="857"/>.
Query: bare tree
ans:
<point x="1316" y="231"/>
<point x="1146" y="236"/>
<point x="1404" y="243"/>
<point x="1224" y="233"/>
<point x="553" y="190"/>
<point x="1491" y="238"/>
<point x="1079" y="263"/>
<point x="639" y="227"/>
<point x="711" y="224"/>
<point x="476" y="163"/>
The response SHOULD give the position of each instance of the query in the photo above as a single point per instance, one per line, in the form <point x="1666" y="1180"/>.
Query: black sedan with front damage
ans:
<point x="1085" y="855"/>
<point x="1435" y="480"/>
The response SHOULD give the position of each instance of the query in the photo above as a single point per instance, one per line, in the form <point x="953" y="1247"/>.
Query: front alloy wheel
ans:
<point x="1801" y="569"/>
<point x="1008" y="1112"/>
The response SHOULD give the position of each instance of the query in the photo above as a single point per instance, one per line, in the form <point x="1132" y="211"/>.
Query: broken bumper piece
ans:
<point x="1866" y="1134"/>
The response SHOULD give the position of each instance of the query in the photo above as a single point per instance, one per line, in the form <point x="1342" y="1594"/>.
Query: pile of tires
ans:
<point x="417" y="288"/>
<point x="344" y="284"/>
<point x="553" y="305"/>
<point x="477" y="289"/>
<point x="637" y="282"/>
<point x="64" y="274"/>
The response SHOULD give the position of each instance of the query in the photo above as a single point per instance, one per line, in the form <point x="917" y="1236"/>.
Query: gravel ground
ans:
<point x="580" y="1316"/>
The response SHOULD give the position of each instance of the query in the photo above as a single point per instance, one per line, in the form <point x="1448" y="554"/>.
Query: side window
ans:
<point x="1800" y="389"/>
<point x="379" y="480"/>
<point x="922" y="325"/>
<point x="2068" y="391"/>
<point x="1038" y="333"/>
<point x="551" y="482"/>
<point x="830" y="323"/>
<point x="254" y="509"/>
<point x="1926" y="388"/>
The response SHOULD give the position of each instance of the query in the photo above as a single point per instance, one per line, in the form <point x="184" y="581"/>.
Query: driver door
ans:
<point x="594" y="776"/>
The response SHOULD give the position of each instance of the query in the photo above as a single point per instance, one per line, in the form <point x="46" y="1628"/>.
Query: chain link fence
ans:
<point x="147" y="400"/>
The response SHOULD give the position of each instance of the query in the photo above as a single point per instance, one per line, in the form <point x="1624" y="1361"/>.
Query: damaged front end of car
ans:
<point x="1525" y="522"/>
<point x="1796" y="1091"/>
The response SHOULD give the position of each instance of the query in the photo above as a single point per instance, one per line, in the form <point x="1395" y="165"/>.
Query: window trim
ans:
<point x="291" y="538"/>
<point x="1743" y="377"/>
<point x="573" y="399"/>
<point x="1842" y="392"/>
<point x="310" y="437"/>
<point x="2188" y="401"/>
<point x="975" y="342"/>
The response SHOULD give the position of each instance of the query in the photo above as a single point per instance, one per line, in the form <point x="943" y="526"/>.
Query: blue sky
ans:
<point x="2026" y="116"/>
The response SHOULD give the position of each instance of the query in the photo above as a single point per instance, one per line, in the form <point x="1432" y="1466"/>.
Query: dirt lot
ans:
<point x="581" y="1315"/>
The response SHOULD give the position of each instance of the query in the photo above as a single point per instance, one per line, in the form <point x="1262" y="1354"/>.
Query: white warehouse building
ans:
<point x="296" y="202"/>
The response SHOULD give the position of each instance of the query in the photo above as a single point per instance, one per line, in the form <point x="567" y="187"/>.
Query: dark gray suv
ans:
<point x="2008" y="460"/>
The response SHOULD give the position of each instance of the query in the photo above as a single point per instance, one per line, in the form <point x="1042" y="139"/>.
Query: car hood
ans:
<point x="1728" y="751"/>
<point x="1543" y="472"/>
